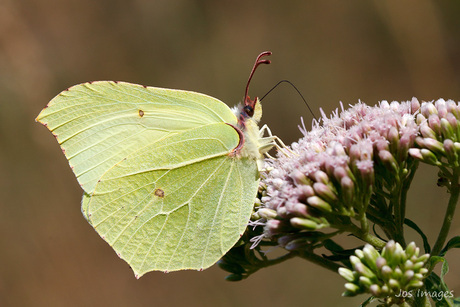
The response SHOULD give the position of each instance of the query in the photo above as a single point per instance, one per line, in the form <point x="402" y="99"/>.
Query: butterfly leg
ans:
<point x="274" y="142"/>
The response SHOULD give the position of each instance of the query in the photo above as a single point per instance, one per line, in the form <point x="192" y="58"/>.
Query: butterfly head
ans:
<point x="251" y="108"/>
<point x="252" y="143"/>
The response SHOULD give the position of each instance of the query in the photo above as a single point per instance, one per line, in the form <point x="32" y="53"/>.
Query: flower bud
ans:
<point x="306" y="191"/>
<point x="319" y="204"/>
<point x="427" y="132"/>
<point x="267" y="213"/>
<point x="451" y="106"/>
<point x="407" y="277"/>
<point x="321" y="176"/>
<point x="324" y="191"/>
<point x="273" y="227"/>
<point x="393" y="135"/>
<point x="446" y="129"/>
<point x="381" y="145"/>
<point x="452" y="121"/>
<point x="420" y="119"/>
<point x="412" y="249"/>
<point x="415" y="284"/>
<point x="299" y="178"/>
<point x="302" y="223"/>
<point x="281" y="211"/>
<point x="388" y="160"/>
<point x="299" y="209"/>
<point x="295" y="244"/>
<point x="451" y="152"/>
<point x="366" y="170"/>
<point x="428" y="109"/>
<point x="359" y="253"/>
<point x="375" y="290"/>
<point x="405" y="142"/>
<point x="435" y="123"/>
<point x="415" y="105"/>
<point x="370" y="254"/>
<point x="348" y="190"/>
<point x="440" y="105"/>
<point x="347" y="274"/>
<point x="416" y="153"/>
<point x="394" y="285"/>
<point x="340" y="172"/>
<point x="352" y="288"/>
<point x="434" y="145"/>
<point x="364" y="281"/>
<point x="363" y="270"/>
<point x="409" y="265"/>
<point x="386" y="271"/>
<point x="429" y="157"/>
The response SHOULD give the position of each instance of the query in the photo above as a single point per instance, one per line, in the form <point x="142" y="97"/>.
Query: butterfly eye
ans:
<point x="248" y="110"/>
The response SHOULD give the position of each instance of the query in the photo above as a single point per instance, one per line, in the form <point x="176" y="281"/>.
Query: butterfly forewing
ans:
<point x="98" y="124"/>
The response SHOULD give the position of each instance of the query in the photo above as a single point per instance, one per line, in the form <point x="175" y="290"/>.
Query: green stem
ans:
<point x="373" y="240"/>
<point x="366" y="236"/>
<point x="448" y="217"/>
<point x="400" y="209"/>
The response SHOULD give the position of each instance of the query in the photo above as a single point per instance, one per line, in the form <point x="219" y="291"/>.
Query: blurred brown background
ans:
<point x="332" y="50"/>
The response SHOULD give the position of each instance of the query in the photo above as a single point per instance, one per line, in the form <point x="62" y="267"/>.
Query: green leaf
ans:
<point x="457" y="302"/>
<point x="415" y="227"/>
<point x="434" y="260"/>
<point x="369" y="300"/>
<point x="332" y="246"/>
<point x="169" y="182"/>
<point x="435" y="285"/>
<point x="444" y="271"/>
<point x="453" y="243"/>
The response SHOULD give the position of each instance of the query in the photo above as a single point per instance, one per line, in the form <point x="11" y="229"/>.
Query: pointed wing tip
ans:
<point x="41" y="115"/>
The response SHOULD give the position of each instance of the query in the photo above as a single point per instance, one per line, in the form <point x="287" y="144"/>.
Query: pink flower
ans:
<point x="331" y="175"/>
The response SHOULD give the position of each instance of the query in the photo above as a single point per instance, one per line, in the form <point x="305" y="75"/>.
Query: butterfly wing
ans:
<point x="171" y="214"/>
<point x="161" y="185"/>
<point x="98" y="124"/>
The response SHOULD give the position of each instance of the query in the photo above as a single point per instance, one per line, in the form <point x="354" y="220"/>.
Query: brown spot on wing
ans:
<point x="159" y="193"/>
<point x="141" y="113"/>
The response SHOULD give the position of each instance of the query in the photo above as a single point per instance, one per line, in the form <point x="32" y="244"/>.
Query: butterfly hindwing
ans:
<point x="170" y="213"/>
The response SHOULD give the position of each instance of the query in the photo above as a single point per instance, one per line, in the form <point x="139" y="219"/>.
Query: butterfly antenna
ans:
<point x="249" y="104"/>
<point x="290" y="83"/>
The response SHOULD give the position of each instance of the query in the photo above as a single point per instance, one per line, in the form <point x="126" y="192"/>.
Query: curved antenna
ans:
<point x="247" y="101"/>
<point x="290" y="83"/>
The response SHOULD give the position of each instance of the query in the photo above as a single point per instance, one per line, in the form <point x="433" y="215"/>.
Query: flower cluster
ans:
<point x="328" y="178"/>
<point x="439" y="142"/>
<point x="385" y="274"/>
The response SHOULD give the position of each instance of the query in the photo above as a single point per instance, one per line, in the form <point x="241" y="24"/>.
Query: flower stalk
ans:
<point x="450" y="211"/>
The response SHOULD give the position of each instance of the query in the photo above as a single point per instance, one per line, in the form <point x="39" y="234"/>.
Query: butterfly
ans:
<point x="169" y="176"/>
